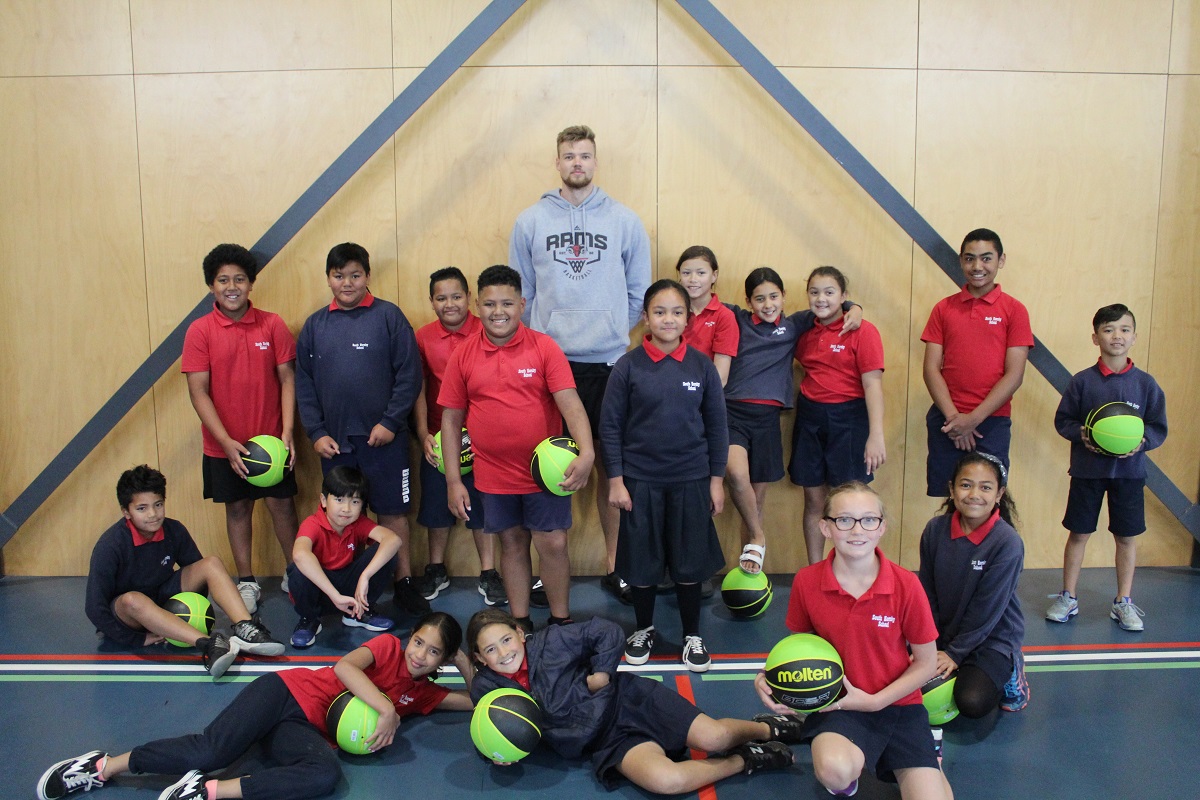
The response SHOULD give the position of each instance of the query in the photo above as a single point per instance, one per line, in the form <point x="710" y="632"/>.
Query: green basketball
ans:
<point x="804" y="672"/>
<point x="350" y="722"/>
<point x="746" y="595"/>
<point x="1115" y="428"/>
<point x="466" y="457"/>
<point x="266" y="461"/>
<point x="195" y="610"/>
<point x="550" y="461"/>
<point x="938" y="696"/>
<point x="506" y="725"/>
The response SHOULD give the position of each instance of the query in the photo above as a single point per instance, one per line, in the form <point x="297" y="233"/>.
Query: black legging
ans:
<point x="975" y="693"/>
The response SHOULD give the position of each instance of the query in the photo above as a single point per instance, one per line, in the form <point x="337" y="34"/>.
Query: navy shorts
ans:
<point x="537" y="511"/>
<point x="385" y="467"/>
<point x="159" y="594"/>
<point x="670" y="526"/>
<point x="828" y="443"/>
<point x="1126" y="505"/>
<point x="755" y="427"/>
<point x="944" y="456"/>
<point x="647" y="711"/>
<point x="223" y="485"/>
<point x="434" y="510"/>
<point x="897" y="737"/>
<point x="590" y="382"/>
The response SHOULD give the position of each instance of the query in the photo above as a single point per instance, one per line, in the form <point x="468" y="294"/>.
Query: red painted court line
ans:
<point x="683" y="685"/>
<point x="158" y="659"/>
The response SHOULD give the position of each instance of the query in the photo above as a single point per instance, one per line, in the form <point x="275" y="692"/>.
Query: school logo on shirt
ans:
<point x="712" y="323"/>
<point x="527" y="372"/>
<point x="263" y="345"/>
<point x="691" y="386"/>
<point x="404" y="700"/>
<point x="350" y="546"/>
<point x="578" y="250"/>
<point x="836" y="348"/>
<point x="360" y="345"/>
<point x="166" y="562"/>
<point x="977" y="564"/>
<point x="780" y="331"/>
<point x="993" y="320"/>
<point x="883" y="620"/>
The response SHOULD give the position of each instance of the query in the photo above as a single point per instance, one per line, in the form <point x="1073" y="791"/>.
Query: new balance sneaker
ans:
<point x="537" y="595"/>
<point x="1063" y="608"/>
<point x="189" y="787"/>
<point x="764" y="755"/>
<point x="79" y="774"/>
<point x="251" y="593"/>
<point x="849" y="791"/>
<point x="695" y="655"/>
<point x="306" y="632"/>
<point x="1016" y="691"/>
<point x="217" y="653"/>
<point x="372" y="622"/>
<point x="785" y="728"/>
<point x="254" y="638"/>
<point x="1126" y="614"/>
<point x="407" y="599"/>
<point x="433" y="581"/>
<point x="615" y="585"/>
<point x="491" y="586"/>
<point x="639" y="645"/>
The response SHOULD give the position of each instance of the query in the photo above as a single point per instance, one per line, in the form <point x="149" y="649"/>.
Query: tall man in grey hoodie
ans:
<point x="584" y="261"/>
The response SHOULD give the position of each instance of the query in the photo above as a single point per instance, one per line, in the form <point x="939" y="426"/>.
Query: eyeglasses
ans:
<point x="847" y="523"/>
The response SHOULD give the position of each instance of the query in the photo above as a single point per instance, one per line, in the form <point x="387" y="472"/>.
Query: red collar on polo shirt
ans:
<point x="463" y="330"/>
<point x="884" y="581"/>
<point x="517" y="338"/>
<point x="521" y="676"/>
<point x="757" y="320"/>
<point x="714" y="303"/>
<point x="225" y="320"/>
<point x="990" y="298"/>
<point x="139" y="539"/>
<point x="1105" y="371"/>
<point x="657" y="355"/>
<point x="835" y="326"/>
<point x="979" y="534"/>
<point x="366" y="303"/>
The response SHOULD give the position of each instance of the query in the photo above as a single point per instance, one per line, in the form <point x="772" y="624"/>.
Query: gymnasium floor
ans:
<point x="1113" y="714"/>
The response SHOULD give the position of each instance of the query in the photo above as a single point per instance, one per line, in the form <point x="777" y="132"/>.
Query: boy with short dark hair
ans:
<point x="977" y="342"/>
<point x="358" y="374"/>
<point x="241" y="376"/>
<point x="514" y="388"/>
<point x="450" y="298"/>
<point x="1112" y="379"/>
<point x="339" y="559"/>
<point x="133" y="572"/>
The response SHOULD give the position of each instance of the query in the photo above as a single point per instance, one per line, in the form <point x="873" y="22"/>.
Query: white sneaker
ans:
<point x="250" y="592"/>
<point x="283" y="584"/>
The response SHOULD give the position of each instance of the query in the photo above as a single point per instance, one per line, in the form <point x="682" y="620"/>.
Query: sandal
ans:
<point x="753" y="553"/>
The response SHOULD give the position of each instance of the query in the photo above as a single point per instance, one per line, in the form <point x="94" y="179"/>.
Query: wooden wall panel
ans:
<point x="232" y="36"/>
<point x="1185" y="37"/>
<point x="64" y="37"/>
<point x="1028" y="35"/>
<point x="799" y="33"/>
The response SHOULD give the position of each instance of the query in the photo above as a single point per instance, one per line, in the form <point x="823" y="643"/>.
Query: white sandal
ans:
<point x="753" y="553"/>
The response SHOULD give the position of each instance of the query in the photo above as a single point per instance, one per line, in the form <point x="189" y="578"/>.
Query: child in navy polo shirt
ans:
<point x="759" y="388"/>
<point x="1113" y="378"/>
<point x="873" y="612"/>
<point x="838" y="435"/>
<point x="240" y="363"/>
<point x="451" y="301"/>
<point x="513" y="387"/>
<point x="711" y="326"/>
<point x="666" y="392"/>
<point x="145" y="559"/>
<point x="976" y="344"/>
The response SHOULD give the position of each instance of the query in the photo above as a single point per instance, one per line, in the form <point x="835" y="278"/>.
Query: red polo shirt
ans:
<point x="508" y="395"/>
<point x="713" y="330"/>
<point x="975" y="334"/>
<point x="834" y="364"/>
<point x="315" y="689"/>
<point x="437" y="343"/>
<point x="334" y="551"/>
<point x="870" y="633"/>
<point x="241" y="359"/>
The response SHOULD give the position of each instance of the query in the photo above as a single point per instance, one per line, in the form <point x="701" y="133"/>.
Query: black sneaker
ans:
<point x="695" y="654"/>
<point x="537" y="595"/>
<point x="639" y="645"/>
<point x="433" y="581"/>
<point x="189" y="787"/>
<point x="764" y="755"/>
<point x="217" y="653"/>
<point x="407" y="599"/>
<point x="81" y="773"/>
<point x="553" y="620"/>
<point x="255" y="639"/>
<point x="525" y="624"/>
<point x="618" y="588"/>
<point x="491" y="586"/>
<point x="785" y="728"/>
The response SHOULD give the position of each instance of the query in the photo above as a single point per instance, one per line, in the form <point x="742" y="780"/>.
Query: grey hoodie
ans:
<point x="584" y="271"/>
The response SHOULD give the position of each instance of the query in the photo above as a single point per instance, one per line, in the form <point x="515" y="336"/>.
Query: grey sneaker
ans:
<point x="1127" y="615"/>
<point x="251" y="593"/>
<point x="433" y="581"/>
<point x="217" y="653"/>
<point x="81" y="773"/>
<point x="491" y="586"/>
<point x="255" y="639"/>
<point x="695" y="654"/>
<point x="639" y="646"/>
<point x="1063" y="608"/>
